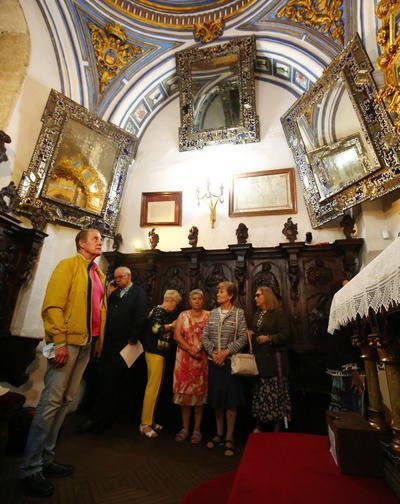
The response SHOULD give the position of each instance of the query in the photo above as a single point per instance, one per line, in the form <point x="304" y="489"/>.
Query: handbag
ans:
<point x="244" y="364"/>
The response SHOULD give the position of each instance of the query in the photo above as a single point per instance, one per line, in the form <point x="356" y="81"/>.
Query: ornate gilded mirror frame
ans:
<point x="218" y="77"/>
<point x="340" y="170"/>
<point x="388" y="37"/>
<point x="78" y="168"/>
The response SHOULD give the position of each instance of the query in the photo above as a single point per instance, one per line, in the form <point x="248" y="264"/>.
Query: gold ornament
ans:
<point x="209" y="30"/>
<point x="324" y="15"/>
<point x="112" y="52"/>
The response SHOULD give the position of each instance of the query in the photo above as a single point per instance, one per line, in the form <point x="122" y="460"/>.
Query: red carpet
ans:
<point x="213" y="490"/>
<point x="289" y="468"/>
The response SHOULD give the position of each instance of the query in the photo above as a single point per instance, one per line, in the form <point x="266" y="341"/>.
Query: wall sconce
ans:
<point x="213" y="200"/>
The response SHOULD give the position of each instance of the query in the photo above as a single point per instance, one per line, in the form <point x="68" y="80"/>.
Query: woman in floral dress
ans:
<point x="191" y="366"/>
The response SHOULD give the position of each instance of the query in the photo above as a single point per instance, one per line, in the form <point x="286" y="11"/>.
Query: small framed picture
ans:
<point x="282" y="70"/>
<point x="161" y="209"/>
<point x="265" y="192"/>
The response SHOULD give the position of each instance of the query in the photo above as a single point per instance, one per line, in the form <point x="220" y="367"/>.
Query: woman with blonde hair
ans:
<point x="270" y="336"/>
<point x="191" y="367"/>
<point x="158" y="345"/>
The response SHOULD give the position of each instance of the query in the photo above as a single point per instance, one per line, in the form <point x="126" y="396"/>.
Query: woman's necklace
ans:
<point x="260" y="318"/>
<point x="224" y="311"/>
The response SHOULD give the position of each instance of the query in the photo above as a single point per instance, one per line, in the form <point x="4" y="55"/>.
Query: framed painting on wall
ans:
<point x="270" y="192"/>
<point x="161" y="209"/>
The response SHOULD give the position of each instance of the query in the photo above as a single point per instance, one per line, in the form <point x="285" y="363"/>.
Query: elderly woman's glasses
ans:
<point x="258" y="294"/>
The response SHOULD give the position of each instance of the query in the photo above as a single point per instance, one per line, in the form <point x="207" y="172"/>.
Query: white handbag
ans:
<point x="244" y="364"/>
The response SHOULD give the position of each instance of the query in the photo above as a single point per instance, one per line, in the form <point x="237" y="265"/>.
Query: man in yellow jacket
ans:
<point x="74" y="315"/>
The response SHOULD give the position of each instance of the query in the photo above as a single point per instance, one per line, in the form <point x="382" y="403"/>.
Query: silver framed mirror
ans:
<point x="343" y="142"/>
<point x="217" y="94"/>
<point x="78" y="168"/>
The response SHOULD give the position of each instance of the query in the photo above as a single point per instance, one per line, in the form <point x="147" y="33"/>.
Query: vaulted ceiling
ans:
<point x="301" y="35"/>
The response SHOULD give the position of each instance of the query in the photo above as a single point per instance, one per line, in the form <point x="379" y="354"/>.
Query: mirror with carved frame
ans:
<point x="78" y="168"/>
<point x="217" y="94"/>
<point x="342" y="141"/>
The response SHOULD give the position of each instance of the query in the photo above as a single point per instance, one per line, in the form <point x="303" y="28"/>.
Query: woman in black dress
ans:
<point x="270" y="333"/>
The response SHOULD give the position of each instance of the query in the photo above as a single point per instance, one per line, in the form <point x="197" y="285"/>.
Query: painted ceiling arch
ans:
<point x="290" y="54"/>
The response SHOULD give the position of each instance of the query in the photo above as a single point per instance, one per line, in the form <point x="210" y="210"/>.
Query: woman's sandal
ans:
<point x="157" y="427"/>
<point x="215" y="442"/>
<point x="182" y="435"/>
<point x="196" y="437"/>
<point x="229" y="448"/>
<point x="147" y="431"/>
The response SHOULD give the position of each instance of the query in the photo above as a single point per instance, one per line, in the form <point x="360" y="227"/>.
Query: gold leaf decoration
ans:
<point x="391" y="96"/>
<point x="324" y="15"/>
<point x="209" y="30"/>
<point x="111" y="50"/>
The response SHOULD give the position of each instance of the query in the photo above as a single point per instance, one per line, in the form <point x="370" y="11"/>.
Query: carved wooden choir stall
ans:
<point x="305" y="278"/>
<point x="19" y="250"/>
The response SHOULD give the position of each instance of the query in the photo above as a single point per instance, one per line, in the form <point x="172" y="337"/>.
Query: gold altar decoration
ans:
<point x="208" y="31"/>
<point x="111" y="50"/>
<point x="388" y="37"/>
<point x="324" y="15"/>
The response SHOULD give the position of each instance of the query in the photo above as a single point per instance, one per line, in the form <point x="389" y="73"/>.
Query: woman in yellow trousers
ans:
<point x="157" y="343"/>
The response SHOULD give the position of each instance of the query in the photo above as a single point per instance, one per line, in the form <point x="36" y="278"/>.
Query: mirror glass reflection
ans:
<point x="342" y="140"/>
<point x="82" y="168"/>
<point x="216" y="102"/>
<point x="217" y="94"/>
<point x="330" y="131"/>
<point x="78" y="169"/>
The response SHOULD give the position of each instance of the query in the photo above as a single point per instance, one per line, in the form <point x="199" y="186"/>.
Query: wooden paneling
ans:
<point x="305" y="277"/>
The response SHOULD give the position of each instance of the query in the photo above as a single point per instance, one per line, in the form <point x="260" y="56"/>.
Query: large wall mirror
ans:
<point x="343" y="142"/>
<point x="217" y="94"/>
<point x="78" y="168"/>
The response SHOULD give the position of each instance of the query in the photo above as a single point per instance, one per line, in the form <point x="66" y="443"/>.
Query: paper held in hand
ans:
<point x="131" y="352"/>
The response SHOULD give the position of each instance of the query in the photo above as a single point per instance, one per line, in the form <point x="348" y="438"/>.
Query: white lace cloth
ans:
<point x="376" y="286"/>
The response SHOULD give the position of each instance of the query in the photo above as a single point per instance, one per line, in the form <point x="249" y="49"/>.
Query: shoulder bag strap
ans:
<point x="236" y="324"/>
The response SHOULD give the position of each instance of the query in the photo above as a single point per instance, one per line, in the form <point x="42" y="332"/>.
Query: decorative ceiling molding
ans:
<point x="177" y="16"/>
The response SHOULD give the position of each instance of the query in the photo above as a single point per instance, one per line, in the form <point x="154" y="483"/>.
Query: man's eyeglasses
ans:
<point x="120" y="276"/>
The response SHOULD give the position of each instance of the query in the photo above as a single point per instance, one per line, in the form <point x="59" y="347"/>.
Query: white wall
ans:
<point x="161" y="167"/>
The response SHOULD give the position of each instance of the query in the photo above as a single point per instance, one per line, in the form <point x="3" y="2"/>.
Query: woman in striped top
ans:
<point x="224" y="335"/>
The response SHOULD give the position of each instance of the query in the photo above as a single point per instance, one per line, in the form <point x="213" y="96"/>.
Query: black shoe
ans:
<point x="37" y="485"/>
<point x="55" y="470"/>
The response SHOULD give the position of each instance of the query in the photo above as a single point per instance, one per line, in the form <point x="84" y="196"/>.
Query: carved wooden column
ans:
<point x="150" y="274"/>
<point x="194" y="253"/>
<point x="388" y="346"/>
<point x="240" y="252"/>
<point x="366" y="340"/>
